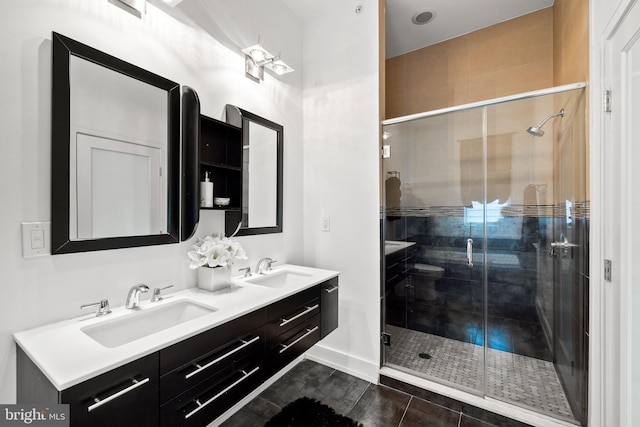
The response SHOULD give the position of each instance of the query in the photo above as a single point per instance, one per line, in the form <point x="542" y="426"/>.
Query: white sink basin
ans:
<point x="279" y="278"/>
<point x="391" y="246"/>
<point x="147" y="321"/>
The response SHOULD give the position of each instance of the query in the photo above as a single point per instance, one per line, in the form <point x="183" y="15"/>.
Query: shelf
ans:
<point x="222" y="166"/>
<point x="221" y="208"/>
<point x="221" y="158"/>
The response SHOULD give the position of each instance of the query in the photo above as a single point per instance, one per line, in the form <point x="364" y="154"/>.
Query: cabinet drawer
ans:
<point x="194" y="348"/>
<point x="285" y="307"/>
<point x="126" y="396"/>
<point x="292" y="318"/>
<point x="200" y="369"/>
<point x="293" y="343"/>
<point x="208" y="400"/>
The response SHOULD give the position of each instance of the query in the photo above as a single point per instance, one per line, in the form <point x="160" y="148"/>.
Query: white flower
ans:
<point x="212" y="251"/>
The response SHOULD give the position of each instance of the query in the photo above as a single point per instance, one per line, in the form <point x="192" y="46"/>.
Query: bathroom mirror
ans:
<point x="262" y="142"/>
<point x="115" y="152"/>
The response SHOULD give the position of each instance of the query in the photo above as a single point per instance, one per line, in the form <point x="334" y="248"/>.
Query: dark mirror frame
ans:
<point x="63" y="48"/>
<point x="241" y="118"/>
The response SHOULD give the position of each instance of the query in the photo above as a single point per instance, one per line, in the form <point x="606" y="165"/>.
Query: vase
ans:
<point x="213" y="279"/>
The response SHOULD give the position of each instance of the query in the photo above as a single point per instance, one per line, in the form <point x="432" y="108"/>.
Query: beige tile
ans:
<point x="394" y="106"/>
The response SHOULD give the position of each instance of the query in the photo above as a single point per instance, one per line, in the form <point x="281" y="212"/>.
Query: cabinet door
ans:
<point x="126" y="396"/>
<point x="328" y="306"/>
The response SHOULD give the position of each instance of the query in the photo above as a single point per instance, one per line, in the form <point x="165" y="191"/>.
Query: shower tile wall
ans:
<point x="455" y="310"/>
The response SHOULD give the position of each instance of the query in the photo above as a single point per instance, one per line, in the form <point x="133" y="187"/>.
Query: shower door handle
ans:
<point x="470" y="252"/>
<point x="562" y="244"/>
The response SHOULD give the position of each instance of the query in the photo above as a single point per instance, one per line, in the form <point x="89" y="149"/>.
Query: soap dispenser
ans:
<point x="206" y="191"/>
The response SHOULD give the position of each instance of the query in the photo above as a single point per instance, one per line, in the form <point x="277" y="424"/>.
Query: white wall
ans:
<point x="178" y="44"/>
<point x="341" y="174"/>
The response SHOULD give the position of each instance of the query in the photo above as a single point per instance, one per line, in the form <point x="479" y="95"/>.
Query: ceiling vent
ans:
<point x="422" y="17"/>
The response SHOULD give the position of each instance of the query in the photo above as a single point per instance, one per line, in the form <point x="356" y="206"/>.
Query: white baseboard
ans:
<point x="363" y="369"/>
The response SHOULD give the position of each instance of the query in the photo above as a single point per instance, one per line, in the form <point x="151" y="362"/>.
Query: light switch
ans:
<point x="35" y="239"/>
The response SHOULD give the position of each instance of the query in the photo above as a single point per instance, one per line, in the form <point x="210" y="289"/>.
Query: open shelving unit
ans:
<point x="221" y="156"/>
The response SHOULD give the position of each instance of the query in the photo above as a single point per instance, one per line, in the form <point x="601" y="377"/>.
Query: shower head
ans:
<point x="537" y="130"/>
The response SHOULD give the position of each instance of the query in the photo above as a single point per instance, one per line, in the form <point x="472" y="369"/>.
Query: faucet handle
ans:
<point x="270" y="262"/>
<point x="157" y="293"/>
<point x="247" y="271"/>
<point x="102" y="310"/>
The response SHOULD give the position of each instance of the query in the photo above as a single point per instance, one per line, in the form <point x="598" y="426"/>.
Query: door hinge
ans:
<point x="386" y="338"/>
<point x="386" y="151"/>
<point x="607" y="101"/>
<point x="607" y="270"/>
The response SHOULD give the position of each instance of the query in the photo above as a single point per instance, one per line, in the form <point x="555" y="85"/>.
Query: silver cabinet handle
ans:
<point x="202" y="405"/>
<point x="470" y="252"/>
<point x="309" y="332"/>
<point x="331" y="290"/>
<point x="299" y="315"/>
<point x="100" y="402"/>
<point x="224" y="356"/>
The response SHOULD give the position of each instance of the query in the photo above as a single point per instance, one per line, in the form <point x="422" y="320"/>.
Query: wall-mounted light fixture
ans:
<point x="257" y="58"/>
<point x="134" y="7"/>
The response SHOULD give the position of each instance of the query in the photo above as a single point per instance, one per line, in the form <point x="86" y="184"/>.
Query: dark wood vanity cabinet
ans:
<point x="221" y="157"/>
<point x="196" y="380"/>
<point x="125" y="396"/>
<point x="329" y="303"/>
<point x="293" y="328"/>
<point x="201" y="377"/>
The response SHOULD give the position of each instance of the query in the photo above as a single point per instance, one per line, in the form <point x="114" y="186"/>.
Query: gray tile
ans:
<point x="255" y="413"/>
<point x="421" y="413"/>
<point x="380" y="406"/>
<point x="340" y="391"/>
<point x="526" y="381"/>
<point x="466" y="421"/>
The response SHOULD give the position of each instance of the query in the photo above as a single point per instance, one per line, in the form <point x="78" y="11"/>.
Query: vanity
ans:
<point x="183" y="360"/>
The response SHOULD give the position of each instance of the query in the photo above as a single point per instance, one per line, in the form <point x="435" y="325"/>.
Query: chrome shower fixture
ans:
<point x="537" y="130"/>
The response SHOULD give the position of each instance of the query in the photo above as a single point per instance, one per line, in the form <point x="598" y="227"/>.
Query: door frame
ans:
<point x="610" y="402"/>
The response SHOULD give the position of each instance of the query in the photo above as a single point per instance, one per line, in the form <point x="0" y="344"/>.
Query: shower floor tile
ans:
<point x="528" y="382"/>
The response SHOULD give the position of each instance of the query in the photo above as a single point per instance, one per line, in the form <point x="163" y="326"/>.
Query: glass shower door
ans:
<point x="434" y="303"/>
<point x="488" y="206"/>
<point x="534" y="182"/>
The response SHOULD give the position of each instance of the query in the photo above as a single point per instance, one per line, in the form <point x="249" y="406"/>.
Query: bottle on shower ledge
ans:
<point x="206" y="192"/>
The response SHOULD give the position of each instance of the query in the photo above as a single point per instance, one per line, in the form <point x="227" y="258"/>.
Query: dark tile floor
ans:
<point x="370" y="404"/>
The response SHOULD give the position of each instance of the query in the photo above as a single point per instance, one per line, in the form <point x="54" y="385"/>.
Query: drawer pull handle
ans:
<point x="100" y="402"/>
<point x="245" y="344"/>
<point x="297" y="316"/>
<point x="331" y="290"/>
<point x="309" y="332"/>
<point x="202" y="405"/>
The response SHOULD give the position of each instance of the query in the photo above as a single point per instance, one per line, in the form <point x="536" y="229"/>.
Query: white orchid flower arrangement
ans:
<point x="215" y="251"/>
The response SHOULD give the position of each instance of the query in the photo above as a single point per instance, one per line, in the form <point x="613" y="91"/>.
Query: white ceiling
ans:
<point x="452" y="18"/>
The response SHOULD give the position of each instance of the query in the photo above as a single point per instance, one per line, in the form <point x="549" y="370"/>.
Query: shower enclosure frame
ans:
<point x="443" y="111"/>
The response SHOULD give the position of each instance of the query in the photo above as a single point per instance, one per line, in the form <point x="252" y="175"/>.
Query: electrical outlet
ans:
<point x="326" y="224"/>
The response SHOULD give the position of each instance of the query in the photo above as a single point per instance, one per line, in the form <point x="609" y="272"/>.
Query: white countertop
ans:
<point x="67" y="356"/>
<point x="392" y="246"/>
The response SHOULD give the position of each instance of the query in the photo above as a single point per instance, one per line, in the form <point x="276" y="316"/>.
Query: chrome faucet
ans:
<point x="264" y="265"/>
<point x="133" y="298"/>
